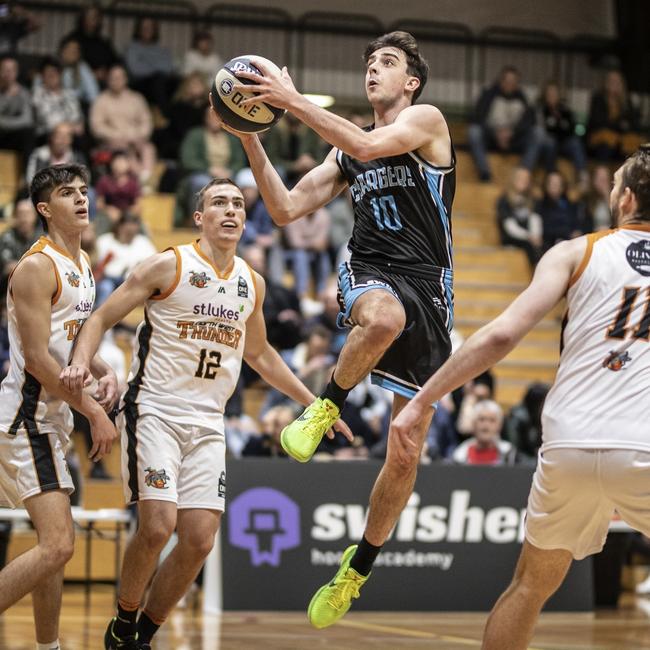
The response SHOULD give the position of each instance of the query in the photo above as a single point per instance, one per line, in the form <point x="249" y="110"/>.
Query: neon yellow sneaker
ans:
<point x="301" y="438"/>
<point x="332" y="601"/>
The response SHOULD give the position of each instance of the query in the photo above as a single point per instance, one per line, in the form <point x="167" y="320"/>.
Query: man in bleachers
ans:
<point x="15" y="241"/>
<point x="58" y="150"/>
<point x="504" y="121"/>
<point x="486" y="447"/>
<point x="16" y="116"/>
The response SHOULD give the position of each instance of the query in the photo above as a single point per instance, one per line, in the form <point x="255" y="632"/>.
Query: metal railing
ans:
<point x="323" y="49"/>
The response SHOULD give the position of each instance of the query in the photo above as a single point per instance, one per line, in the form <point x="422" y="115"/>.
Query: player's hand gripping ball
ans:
<point x="226" y="101"/>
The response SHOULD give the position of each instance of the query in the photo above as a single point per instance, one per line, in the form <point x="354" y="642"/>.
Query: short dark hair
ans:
<point x="201" y="35"/>
<point x="46" y="180"/>
<point x="137" y="28"/>
<point x="50" y="62"/>
<point x="636" y="176"/>
<point x="416" y="64"/>
<point x="200" y="195"/>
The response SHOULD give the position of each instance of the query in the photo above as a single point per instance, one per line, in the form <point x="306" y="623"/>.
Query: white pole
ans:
<point x="212" y="587"/>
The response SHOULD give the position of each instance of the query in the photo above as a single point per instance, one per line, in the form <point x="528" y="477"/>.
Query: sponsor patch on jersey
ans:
<point x="199" y="280"/>
<point x="616" y="359"/>
<point x="638" y="256"/>
<point x="156" y="478"/>
<point x="73" y="278"/>
<point x="221" y="490"/>
<point x="242" y="288"/>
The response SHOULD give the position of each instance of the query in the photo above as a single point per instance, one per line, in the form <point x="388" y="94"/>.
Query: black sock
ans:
<point x="364" y="557"/>
<point x="335" y="393"/>
<point x="125" y="624"/>
<point x="146" y="628"/>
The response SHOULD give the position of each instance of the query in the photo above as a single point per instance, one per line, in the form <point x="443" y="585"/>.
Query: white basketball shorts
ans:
<point x="576" y="491"/>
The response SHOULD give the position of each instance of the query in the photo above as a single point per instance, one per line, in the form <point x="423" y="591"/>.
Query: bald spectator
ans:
<point x="16" y="117"/>
<point x="485" y="446"/>
<point x="57" y="151"/>
<point x="120" y="119"/>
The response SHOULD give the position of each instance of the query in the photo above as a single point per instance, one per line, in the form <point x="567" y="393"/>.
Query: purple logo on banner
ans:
<point x="265" y="522"/>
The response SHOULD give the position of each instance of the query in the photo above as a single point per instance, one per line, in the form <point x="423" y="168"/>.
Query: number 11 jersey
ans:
<point x="189" y="348"/>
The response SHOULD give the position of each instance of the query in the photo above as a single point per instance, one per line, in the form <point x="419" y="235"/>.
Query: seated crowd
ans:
<point x="142" y="123"/>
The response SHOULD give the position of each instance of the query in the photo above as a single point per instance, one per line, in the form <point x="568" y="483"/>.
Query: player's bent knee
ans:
<point x="57" y="554"/>
<point x="383" y="332"/>
<point x="199" y="545"/>
<point x="156" y="535"/>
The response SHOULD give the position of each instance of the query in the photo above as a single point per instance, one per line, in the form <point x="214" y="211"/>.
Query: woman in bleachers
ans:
<point x="519" y="224"/>
<point x="201" y="57"/>
<point x="558" y="136"/>
<point x="77" y="75"/>
<point x="614" y="130"/>
<point x="559" y="214"/>
<point x="597" y="214"/>
<point x="150" y="65"/>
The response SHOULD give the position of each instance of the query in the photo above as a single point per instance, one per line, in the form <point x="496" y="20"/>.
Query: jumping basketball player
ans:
<point x="397" y="288"/>
<point x="203" y="313"/>
<point x="51" y="293"/>
<point x="595" y="455"/>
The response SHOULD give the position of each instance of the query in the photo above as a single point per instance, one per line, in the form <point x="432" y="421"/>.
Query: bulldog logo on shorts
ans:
<point x="156" y="478"/>
<point x="199" y="280"/>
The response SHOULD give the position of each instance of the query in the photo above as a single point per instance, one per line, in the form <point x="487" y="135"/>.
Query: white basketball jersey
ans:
<point x="189" y="348"/>
<point x="24" y="404"/>
<point x="601" y="396"/>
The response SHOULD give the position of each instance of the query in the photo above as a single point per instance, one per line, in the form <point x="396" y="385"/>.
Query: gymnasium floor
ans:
<point x="625" y="629"/>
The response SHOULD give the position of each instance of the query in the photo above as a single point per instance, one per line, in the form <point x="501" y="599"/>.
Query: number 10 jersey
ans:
<point x="189" y="348"/>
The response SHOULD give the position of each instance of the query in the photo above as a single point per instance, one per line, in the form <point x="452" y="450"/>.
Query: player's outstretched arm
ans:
<point x="33" y="285"/>
<point x="153" y="275"/>
<point x="260" y="356"/>
<point x="415" y="127"/>
<point x="496" y="339"/>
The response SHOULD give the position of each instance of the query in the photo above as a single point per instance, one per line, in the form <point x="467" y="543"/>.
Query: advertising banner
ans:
<point x="454" y="547"/>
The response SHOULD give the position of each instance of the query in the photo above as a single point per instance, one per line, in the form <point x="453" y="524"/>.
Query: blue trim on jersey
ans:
<point x="433" y="179"/>
<point x="393" y="387"/>
<point x="448" y="281"/>
<point x="350" y="291"/>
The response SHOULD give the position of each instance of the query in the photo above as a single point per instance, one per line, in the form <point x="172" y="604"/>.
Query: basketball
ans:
<point x="226" y="101"/>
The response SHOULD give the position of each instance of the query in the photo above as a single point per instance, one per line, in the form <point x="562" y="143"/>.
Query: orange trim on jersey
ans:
<point x="254" y="283"/>
<point x="636" y="226"/>
<point x="224" y="276"/>
<point x="62" y="251"/>
<point x="592" y="238"/>
<point x="174" y="284"/>
<point x="39" y="247"/>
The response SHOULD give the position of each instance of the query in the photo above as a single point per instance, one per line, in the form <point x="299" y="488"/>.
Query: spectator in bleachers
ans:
<point x="523" y="426"/>
<point x="207" y="152"/>
<point x="328" y="317"/>
<point x="466" y="398"/>
<point x="57" y="151"/>
<point x="614" y="128"/>
<point x="201" y="57"/>
<point x="16" y="116"/>
<point x="77" y="75"/>
<point x="186" y="111"/>
<point x="519" y="225"/>
<point x="558" y="137"/>
<point x="150" y="64"/>
<point x="312" y="360"/>
<point x="96" y="51"/>
<point x="120" y="119"/>
<point x="118" y="191"/>
<point x="442" y="436"/>
<point x="16" y="22"/>
<point x="595" y="203"/>
<point x="15" y="241"/>
<point x="53" y="103"/>
<point x="307" y="247"/>
<point x="559" y="214"/>
<point x="485" y="446"/>
<point x="504" y="121"/>
<point x="281" y="306"/>
<point x="341" y="222"/>
<point x="118" y="252"/>
<point x="267" y="443"/>
<point x="259" y="225"/>
<point x="293" y="148"/>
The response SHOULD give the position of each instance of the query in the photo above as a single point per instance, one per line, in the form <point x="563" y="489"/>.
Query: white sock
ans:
<point x="52" y="645"/>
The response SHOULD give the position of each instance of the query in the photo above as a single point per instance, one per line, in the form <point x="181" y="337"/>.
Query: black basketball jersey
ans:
<point x="402" y="212"/>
